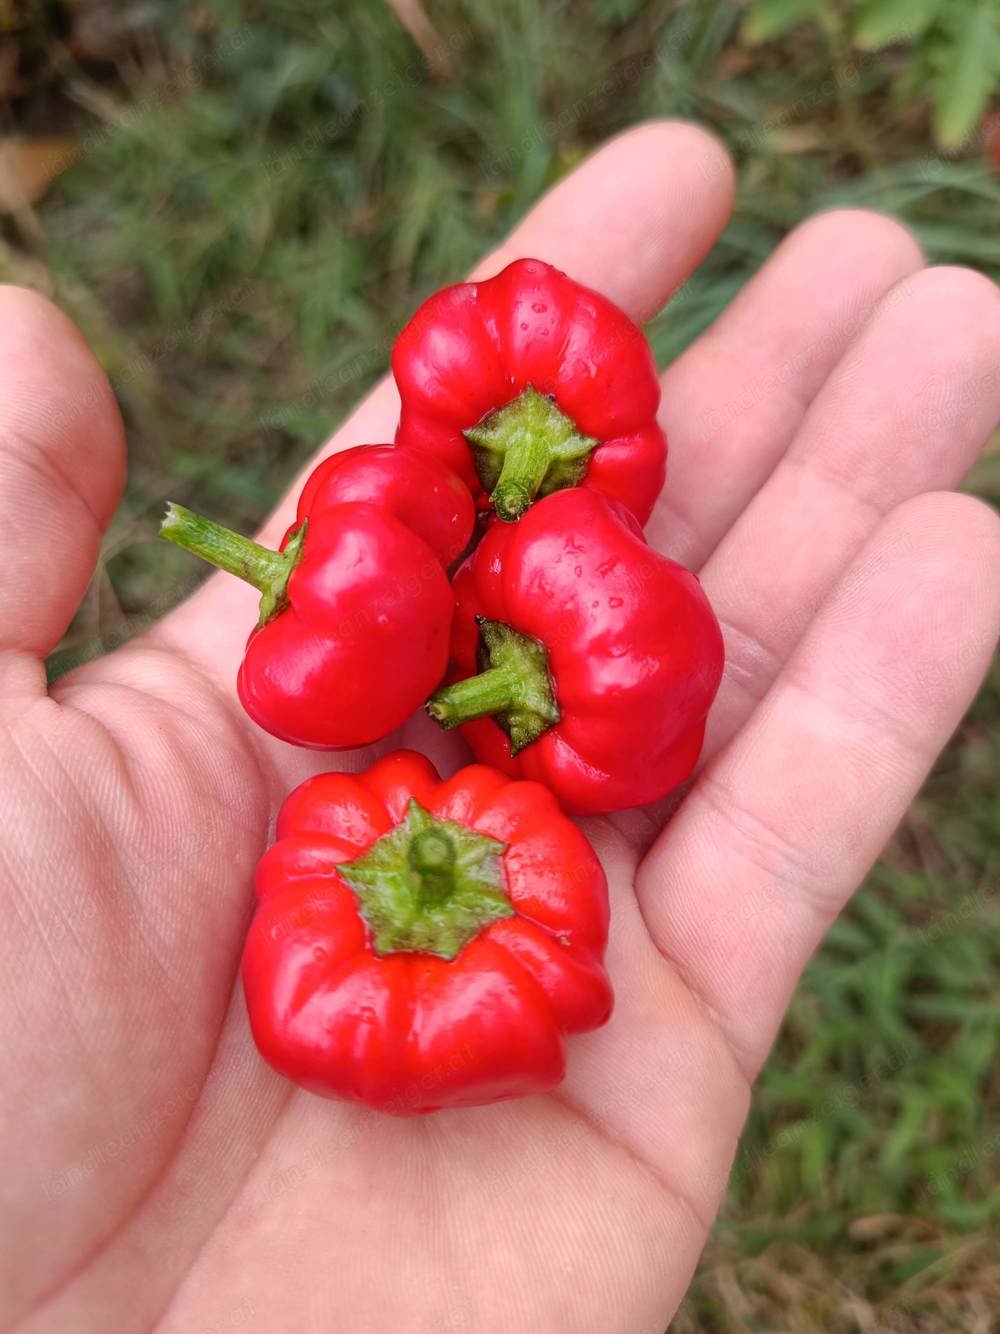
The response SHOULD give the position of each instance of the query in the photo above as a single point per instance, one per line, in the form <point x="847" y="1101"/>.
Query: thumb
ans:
<point x="62" y="464"/>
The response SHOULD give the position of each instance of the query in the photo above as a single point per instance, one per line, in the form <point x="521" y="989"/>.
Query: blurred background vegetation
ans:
<point x="240" y="203"/>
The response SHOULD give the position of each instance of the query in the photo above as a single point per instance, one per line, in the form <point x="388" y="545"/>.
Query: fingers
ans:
<point x="62" y="463"/>
<point x="780" y="829"/>
<point x="733" y="401"/>
<point x="907" y="410"/>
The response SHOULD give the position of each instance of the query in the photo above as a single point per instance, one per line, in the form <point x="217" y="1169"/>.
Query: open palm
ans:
<point x="155" y="1172"/>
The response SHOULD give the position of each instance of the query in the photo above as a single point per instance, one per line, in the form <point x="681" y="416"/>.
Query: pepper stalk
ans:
<point x="515" y="687"/>
<point x="268" y="571"/>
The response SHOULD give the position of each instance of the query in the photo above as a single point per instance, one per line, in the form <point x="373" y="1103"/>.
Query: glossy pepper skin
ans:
<point x="529" y="382"/>
<point x="421" y="944"/>
<point x="584" y="659"/>
<point x="355" y="608"/>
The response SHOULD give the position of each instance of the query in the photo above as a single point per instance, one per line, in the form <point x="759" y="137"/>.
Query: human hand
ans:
<point x="155" y="1171"/>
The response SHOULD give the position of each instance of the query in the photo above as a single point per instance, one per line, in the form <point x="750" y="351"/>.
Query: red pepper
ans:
<point x="422" y="944"/>
<point x="598" y="657"/>
<point x="527" y="383"/>
<point x="355" y="607"/>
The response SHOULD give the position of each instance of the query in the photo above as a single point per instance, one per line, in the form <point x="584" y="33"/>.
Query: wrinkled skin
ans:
<point x="156" y="1174"/>
<point x="408" y="1027"/>
<point x="632" y="648"/>
<point x="474" y="347"/>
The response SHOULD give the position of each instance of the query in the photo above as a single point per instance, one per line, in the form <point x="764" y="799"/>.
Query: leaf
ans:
<point x="28" y="167"/>
<point x="969" y="67"/>
<point x="770" y="18"/>
<point x="882" y="22"/>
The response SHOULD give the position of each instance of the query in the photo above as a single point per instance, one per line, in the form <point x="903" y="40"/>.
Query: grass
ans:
<point x="256" y="208"/>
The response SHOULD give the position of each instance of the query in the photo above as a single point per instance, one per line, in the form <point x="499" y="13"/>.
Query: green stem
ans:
<point x="526" y="448"/>
<point x="428" y="885"/>
<point x="493" y="691"/>
<point x="267" y="570"/>
<point x="524" y="467"/>
<point x="432" y="858"/>
<point x="514" y="687"/>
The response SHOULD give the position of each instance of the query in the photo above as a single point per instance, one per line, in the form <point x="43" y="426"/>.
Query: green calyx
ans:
<point x="268" y="571"/>
<point x="429" y="885"/>
<point x="526" y="449"/>
<point x="513" y="685"/>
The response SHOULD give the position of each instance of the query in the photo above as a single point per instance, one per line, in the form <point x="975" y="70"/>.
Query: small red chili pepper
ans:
<point x="598" y="658"/>
<point x="355" y="607"/>
<point x="529" y="382"/>
<point x="421" y="944"/>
